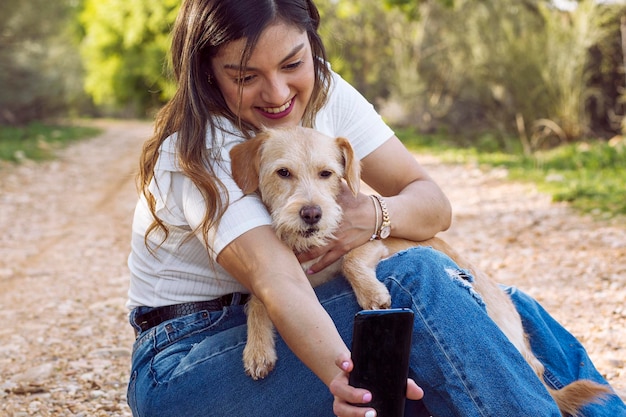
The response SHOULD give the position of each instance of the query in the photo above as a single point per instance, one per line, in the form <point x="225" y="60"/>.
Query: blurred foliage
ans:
<point x="124" y="50"/>
<point x="589" y="175"/>
<point x="523" y="73"/>
<point x="502" y="81"/>
<point x="40" y="71"/>
<point x="411" y="8"/>
<point x="520" y="69"/>
<point x="37" y="141"/>
<point x="358" y="41"/>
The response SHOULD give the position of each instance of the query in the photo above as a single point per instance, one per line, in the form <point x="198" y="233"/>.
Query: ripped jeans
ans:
<point x="191" y="366"/>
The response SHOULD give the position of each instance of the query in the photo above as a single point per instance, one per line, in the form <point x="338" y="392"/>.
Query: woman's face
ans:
<point x="276" y="82"/>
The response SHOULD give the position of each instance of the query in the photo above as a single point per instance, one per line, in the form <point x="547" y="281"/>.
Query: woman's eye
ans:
<point x="283" y="172"/>
<point x="245" y="79"/>
<point x="293" y="66"/>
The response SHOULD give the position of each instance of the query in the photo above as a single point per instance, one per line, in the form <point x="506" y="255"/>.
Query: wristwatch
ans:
<point x="385" y="228"/>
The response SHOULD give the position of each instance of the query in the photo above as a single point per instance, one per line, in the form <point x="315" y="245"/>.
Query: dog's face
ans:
<point x="298" y="172"/>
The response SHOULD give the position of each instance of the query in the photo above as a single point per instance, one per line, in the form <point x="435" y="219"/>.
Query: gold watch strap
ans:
<point x="386" y="222"/>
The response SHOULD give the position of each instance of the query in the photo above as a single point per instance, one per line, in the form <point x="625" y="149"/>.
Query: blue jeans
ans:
<point x="192" y="366"/>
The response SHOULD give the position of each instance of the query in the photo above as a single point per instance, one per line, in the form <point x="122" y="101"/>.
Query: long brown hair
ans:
<point x="201" y="28"/>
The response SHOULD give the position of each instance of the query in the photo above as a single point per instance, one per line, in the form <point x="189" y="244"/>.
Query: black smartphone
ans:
<point x="381" y="342"/>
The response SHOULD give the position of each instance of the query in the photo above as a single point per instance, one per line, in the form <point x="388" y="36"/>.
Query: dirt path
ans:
<point x="65" y="343"/>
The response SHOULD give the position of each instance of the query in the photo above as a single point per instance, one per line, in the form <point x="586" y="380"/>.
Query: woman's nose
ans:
<point x="275" y="90"/>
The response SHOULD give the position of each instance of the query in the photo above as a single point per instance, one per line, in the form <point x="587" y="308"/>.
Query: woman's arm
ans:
<point x="417" y="207"/>
<point x="272" y="273"/>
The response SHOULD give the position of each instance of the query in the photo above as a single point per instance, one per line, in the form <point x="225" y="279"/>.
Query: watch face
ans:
<point x="385" y="232"/>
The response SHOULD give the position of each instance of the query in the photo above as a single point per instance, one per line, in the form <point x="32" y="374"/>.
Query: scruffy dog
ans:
<point x="298" y="173"/>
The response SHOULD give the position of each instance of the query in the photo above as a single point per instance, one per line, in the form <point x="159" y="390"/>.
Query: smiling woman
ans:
<point x="200" y="246"/>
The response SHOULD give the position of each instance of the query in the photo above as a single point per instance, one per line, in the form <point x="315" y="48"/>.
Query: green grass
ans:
<point x="590" y="176"/>
<point x="39" y="141"/>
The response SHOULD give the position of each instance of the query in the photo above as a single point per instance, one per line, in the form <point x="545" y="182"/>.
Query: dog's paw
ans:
<point x="381" y="301"/>
<point x="374" y="297"/>
<point x="258" y="363"/>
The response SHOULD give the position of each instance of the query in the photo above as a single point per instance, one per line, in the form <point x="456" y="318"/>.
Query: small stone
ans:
<point x="36" y="374"/>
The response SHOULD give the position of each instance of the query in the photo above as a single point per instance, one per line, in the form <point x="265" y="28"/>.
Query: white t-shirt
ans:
<point x="180" y="270"/>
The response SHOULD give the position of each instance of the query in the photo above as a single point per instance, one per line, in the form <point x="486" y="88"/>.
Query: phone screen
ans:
<point x="381" y="343"/>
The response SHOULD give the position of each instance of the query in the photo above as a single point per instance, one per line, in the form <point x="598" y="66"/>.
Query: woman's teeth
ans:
<point x="275" y="110"/>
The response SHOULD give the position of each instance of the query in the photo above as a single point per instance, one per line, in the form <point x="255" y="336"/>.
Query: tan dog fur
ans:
<point x="299" y="171"/>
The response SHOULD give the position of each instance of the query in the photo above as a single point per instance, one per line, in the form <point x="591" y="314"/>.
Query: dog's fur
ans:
<point x="298" y="173"/>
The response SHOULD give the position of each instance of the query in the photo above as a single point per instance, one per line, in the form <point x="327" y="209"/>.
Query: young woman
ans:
<point x="199" y="247"/>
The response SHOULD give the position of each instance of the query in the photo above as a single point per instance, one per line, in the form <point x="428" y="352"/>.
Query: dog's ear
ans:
<point x="245" y="160"/>
<point x="352" y="166"/>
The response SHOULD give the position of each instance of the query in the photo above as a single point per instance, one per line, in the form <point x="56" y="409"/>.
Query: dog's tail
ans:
<point x="574" y="396"/>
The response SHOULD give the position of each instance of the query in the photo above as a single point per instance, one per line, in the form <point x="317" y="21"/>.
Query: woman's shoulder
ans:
<point x="340" y="88"/>
<point x="343" y="97"/>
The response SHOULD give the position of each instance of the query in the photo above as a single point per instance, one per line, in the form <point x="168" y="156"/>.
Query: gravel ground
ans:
<point x="65" y="342"/>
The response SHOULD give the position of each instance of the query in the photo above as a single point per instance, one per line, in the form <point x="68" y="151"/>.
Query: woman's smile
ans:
<point x="277" y="112"/>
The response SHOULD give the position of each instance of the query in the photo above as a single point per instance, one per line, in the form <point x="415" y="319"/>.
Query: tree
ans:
<point x="513" y="67"/>
<point x="124" y="50"/>
<point x="38" y="60"/>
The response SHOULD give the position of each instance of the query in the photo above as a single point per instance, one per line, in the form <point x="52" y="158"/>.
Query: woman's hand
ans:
<point x="356" y="228"/>
<point x="345" y="395"/>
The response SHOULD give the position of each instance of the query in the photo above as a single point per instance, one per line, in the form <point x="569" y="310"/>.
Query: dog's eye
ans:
<point x="283" y="172"/>
<point x="326" y="174"/>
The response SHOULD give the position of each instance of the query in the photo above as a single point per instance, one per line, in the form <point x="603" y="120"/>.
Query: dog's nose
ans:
<point x="311" y="214"/>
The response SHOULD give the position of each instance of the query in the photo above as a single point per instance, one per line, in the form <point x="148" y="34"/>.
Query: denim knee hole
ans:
<point x="465" y="279"/>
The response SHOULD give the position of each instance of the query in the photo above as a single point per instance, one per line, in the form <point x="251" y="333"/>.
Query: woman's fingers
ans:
<point x="346" y="395"/>
<point x="413" y="391"/>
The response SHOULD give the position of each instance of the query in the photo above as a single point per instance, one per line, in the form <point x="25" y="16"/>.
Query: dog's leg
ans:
<point x="259" y="354"/>
<point x="571" y="398"/>
<point x="359" y="268"/>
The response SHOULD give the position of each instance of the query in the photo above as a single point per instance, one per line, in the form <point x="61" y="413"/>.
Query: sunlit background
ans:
<point x="495" y="75"/>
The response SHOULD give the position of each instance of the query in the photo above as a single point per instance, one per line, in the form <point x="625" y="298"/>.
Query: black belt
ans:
<point x="158" y="315"/>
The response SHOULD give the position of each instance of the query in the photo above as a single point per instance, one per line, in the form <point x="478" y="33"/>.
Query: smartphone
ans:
<point x="381" y="342"/>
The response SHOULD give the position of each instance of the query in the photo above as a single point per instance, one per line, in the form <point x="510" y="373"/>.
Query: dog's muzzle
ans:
<point x="309" y="232"/>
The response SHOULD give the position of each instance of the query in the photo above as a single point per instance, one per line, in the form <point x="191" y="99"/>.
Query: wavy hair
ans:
<point x="201" y="29"/>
